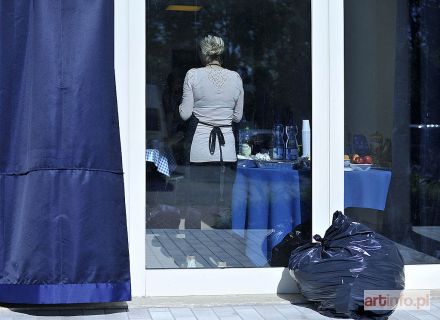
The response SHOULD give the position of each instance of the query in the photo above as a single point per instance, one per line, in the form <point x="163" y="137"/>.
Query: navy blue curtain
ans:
<point x="63" y="232"/>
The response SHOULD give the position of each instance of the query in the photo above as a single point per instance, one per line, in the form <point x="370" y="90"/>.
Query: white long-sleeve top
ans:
<point x="215" y="95"/>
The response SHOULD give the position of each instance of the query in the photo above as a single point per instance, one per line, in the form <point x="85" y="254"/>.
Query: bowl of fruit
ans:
<point x="361" y="163"/>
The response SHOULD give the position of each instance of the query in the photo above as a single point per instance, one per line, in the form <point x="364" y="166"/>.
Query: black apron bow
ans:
<point x="216" y="132"/>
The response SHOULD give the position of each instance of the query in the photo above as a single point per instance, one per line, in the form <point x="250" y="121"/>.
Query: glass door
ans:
<point x="392" y="125"/>
<point x="131" y="75"/>
<point x="380" y="69"/>
<point x="246" y="66"/>
<point x="226" y="226"/>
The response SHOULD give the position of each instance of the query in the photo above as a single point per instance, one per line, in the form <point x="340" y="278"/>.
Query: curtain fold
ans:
<point x="63" y="232"/>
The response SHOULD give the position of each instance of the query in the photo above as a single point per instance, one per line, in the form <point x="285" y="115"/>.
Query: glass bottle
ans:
<point x="278" y="142"/>
<point x="291" y="143"/>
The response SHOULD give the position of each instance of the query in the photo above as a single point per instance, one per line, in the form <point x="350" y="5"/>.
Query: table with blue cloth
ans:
<point x="366" y="189"/>
<point x="266" y="205"/>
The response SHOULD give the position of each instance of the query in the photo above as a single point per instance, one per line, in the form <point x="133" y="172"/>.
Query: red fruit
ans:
<point x="361" y="160"/>
<point x="368" y="159"/>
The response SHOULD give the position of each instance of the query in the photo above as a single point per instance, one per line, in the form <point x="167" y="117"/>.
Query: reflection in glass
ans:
<point x="203" y="212"/>
<point x="392" y="74"/>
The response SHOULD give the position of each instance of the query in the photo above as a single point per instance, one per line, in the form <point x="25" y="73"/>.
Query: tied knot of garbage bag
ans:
<point x="323" y="241"/>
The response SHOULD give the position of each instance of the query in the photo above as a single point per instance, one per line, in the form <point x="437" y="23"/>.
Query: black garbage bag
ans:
<point x="351" y="258"/>
<point x="300" y="235"/>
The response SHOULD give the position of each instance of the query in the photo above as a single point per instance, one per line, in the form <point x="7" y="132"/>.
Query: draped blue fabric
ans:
<point x="268" y="200"/>
<point x="366" y="189"/>
<point x="63" y="232"/>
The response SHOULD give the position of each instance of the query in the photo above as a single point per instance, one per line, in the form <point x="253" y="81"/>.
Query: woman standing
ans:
<point x="212" y="100"/>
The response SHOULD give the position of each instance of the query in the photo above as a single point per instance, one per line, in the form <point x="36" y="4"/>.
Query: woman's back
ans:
<point x="216" y="92"/>
<point x="215" y="96"/>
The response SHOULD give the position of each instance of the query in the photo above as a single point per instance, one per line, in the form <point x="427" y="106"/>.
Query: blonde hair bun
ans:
<point x="211" y="47"/>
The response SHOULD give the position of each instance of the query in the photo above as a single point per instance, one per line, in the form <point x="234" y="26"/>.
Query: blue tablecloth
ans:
<point x="268" y="202"/>
<point x="366" y="189"/>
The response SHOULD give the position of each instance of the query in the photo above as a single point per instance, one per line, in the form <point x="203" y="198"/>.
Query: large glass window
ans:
<point x="252" y="88"/>
<point x="392" y="120"/>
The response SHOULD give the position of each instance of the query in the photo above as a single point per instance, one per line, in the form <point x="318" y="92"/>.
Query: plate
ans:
<point x="360" y="167"/>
